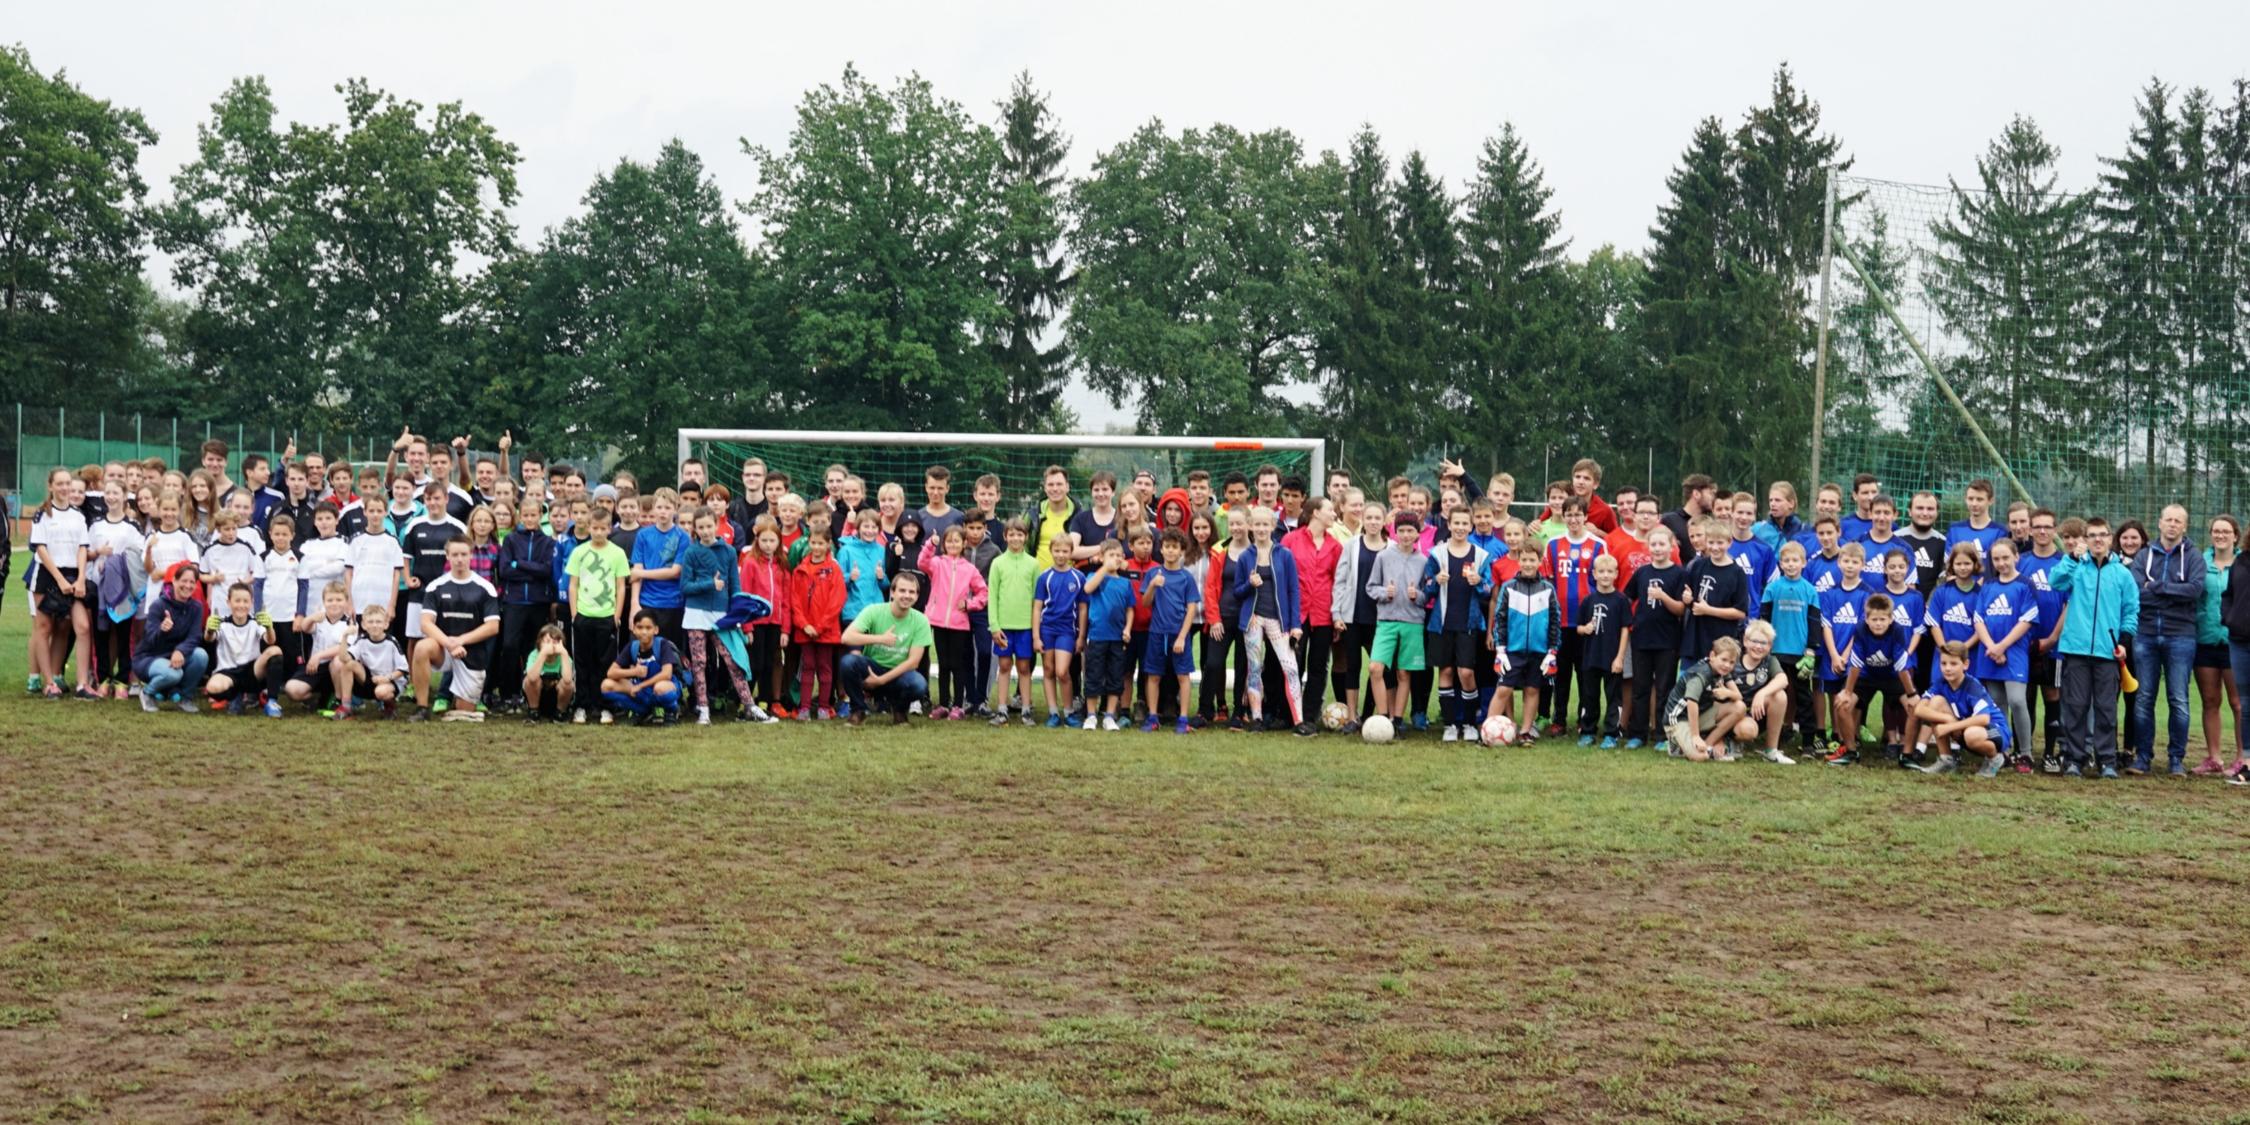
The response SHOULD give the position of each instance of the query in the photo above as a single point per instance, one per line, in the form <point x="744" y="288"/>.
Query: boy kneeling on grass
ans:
<point x="1704" y="704"/>
<point x="371" y="667"/>
<point x="460" y="616"/>
<point x="1960" y="714"/>
<point x="644" y="680"/>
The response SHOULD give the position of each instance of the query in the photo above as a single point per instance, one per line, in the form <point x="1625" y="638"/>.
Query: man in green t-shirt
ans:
<point x="891" y="638"/>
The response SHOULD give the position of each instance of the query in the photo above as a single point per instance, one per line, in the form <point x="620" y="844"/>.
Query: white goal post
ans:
<point x="1314" y="448"/>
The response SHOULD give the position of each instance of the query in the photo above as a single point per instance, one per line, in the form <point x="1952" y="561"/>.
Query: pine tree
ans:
<point x="2139" y="238"/>
<point x="1868" y="364"/>
<point x="1512" y="308"/>
<point x="2227" y="241"/>
<point x="1431" y="340"/>
<point x="1685" y="298"/>
<point x="1030" y="273"/>
<point x="1363" y="366"/>
<point x="2007" y="279"/>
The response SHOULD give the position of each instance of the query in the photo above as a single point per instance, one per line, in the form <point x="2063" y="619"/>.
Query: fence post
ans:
<point x="101" y="438"/>
<point x="139" y="454"/>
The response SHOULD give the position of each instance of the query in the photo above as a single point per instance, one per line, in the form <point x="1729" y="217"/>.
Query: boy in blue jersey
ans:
<point x="1957" y="713"/>
<point x="1842" y="610"/>
<point x="1822" y="569"/>
<point x="2046" y="676"/>
<point x="1855" y="526"/>
<point x="1793" y="608"/>
<point x="657" y="554"/>
<point x="1755" y="558"/>
<point x="1882" y="536"/>
<point x="1880" y="662"/>
<point x="1979" y="528"/>
<point x="1108" y="601"/>
<point x="1175" y="603"/>
<point x="1058" y="623"/>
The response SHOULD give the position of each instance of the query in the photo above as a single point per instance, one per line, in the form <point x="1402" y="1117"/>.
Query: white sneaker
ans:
<point x="914" y="708"/>
<point x="703" y="716"/>
<point x="1093" y="723"/>
<point x="761" y="715"/>
<point x="578" y="716"/>
<point x="607" y="718"/>
<point x="1780" y="759"/>
<point x="1109" y="722"/>
<point x="461" y="715"/>
<point x="1452" y="734"/>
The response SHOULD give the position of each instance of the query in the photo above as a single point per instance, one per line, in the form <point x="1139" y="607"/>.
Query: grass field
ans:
<point x="255" y="919"/>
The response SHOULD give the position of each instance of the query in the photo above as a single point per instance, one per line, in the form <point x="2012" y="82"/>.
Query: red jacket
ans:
<point x="1598" y="513"/>
<point x="818" y="602"/>
<point x="1172" y="511"/>
<point x="1214" y="580"/>
<point x="768" y="579"/>
<point x="1316" y="573"/>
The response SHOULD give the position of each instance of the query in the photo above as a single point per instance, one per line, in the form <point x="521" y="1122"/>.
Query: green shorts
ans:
<point x="1398" y="645"/>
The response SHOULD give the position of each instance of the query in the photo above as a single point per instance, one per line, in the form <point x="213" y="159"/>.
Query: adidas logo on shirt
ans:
<point x="1846" y="614"/>
<point x="1958" y="615"/>
<point x="1999" y="607"/>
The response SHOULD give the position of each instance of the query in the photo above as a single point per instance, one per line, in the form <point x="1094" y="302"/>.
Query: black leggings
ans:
<point x="1654" y="670"/>
<point x="1312" y="660"/>
<point x="519" y="636"/>
<point x="956" y="666"/>
<point x="593" y="644"/>
<point x="765" y="662"/>
<point x="113" y="650"/>
<point x="1214" y="665"/>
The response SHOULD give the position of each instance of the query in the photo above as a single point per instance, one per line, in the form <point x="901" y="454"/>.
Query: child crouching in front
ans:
<point x="548" y="675"/>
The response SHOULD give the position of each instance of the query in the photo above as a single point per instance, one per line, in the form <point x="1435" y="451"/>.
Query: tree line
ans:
<point x="906" y="261"/>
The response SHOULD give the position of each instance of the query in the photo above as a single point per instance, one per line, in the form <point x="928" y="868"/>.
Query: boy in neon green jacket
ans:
<point x="1013" y="577"/>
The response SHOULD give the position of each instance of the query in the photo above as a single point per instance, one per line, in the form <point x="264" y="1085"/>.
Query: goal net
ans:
<point x="1019" y="460"/>
<point x="2087" y="349"/>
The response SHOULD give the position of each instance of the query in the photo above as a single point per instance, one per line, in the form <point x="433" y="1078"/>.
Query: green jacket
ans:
<point x="1011" y="582"/>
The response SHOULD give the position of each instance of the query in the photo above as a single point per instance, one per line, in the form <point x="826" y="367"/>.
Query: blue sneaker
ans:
<point x="273" y="709"/>
<point x="1074" y="720"/>
<point x="1632" y="744"/>
<point x="1609" y="744"/>
<point x="1421" y="722"/>
<point x="2109" y="773"/>
<point x="1585" y="740"/>
<point x="1149" y="725"/>
<point x="843" y="709"/>
<point x="1054" y="719"/>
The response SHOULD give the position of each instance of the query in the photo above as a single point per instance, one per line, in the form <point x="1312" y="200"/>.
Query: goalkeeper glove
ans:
<point x="211" y="623"/>
<point x="263" y="618"/>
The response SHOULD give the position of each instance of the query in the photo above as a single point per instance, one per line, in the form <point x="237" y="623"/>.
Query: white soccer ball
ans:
<point x="1335" y="715"/>
<point x="1376" y="729"/>
<point x="1499" y="730"/>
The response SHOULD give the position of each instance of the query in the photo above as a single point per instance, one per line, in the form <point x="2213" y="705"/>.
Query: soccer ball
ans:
<point x="1335" y="715"/>
<point x="1376" y="729"/>
<point x="1499" y="730"/>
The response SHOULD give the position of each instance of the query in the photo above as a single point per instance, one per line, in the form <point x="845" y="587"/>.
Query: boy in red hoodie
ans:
<point x="816" y="613"/>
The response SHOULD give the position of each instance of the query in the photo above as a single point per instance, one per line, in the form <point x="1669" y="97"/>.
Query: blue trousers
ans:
<point x="666" y="696"/>
<point x="2171" y="656"/>
<point x="852" y="671"/>
<point x="163" y="679"/>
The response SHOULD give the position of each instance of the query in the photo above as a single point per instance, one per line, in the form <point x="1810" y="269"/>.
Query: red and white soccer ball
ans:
<point x="1499" y="730"/>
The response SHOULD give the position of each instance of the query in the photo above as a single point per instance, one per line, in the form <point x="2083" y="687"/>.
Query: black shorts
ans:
<point x="1450" y="650"/>
<point x="2212" y="656"/>
<point x="1105" y="668"/>
<point x="2046" y="672"/>
<point x="56" y="600"/>
<point x="1522" y="671"/>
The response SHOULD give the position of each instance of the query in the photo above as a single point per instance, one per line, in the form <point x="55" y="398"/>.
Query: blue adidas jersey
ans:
<point x="1969" y="700"/>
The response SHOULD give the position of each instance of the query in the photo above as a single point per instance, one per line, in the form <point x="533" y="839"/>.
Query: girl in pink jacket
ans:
<point x="766" y="574"/>
<point x="955" y="589"/>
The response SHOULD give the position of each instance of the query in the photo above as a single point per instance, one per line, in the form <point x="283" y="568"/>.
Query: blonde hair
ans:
<point x="1759" y="631"/>
<point x="1728" y="645"/>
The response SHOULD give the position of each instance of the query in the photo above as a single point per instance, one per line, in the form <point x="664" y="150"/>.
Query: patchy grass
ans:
<point x="247" y="918"/>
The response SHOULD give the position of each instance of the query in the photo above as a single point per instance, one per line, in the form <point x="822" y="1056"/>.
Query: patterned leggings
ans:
<point x="699" y="652"/>
<point x="1262" y="632"/>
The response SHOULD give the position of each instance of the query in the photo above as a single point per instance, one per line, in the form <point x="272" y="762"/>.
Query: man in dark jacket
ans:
<point x="2169" y="572"/>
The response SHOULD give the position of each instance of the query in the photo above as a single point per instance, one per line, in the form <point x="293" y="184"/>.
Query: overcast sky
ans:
<point x="1605" y="94"/>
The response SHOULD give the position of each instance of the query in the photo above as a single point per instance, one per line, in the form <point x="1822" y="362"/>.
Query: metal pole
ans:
<point x="1820" y="349"/>
<point x="138" y="452"/>
<point x="1883" y="301"/>
<point x="101" y="439"/>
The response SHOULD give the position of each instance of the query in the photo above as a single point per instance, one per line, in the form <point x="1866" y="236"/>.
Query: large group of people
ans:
<point x="439" y="584"/>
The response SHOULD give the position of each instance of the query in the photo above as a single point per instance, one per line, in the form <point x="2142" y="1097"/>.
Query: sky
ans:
<point x="1605" y="95"/>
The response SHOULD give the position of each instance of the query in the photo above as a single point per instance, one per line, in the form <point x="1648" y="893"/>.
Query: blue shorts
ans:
<point x="1064" y="639"/>
<point x="1159" y="659"/>
<point x="1015" y="644"/>
<point x="1522" y="670"/>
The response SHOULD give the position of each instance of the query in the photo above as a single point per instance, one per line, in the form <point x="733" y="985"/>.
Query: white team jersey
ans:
<point x="62" y="532"/>
<point x="126" y="544"/>
<point x="374" y="558"/>
<point x="382" y="659"/>
<point x="328" y="634"/>
<point x="238" y="644"/>
<point x="320" y="562"/>
<point x="278" y="591"/>
<point x="225" y="564"/>
<point x="166" y="549"/>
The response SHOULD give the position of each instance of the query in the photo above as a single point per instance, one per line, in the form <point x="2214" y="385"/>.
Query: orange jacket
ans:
<point x="817" y="590"/>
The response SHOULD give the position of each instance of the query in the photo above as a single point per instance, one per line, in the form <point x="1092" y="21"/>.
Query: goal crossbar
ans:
<point x="1314" y="448"/>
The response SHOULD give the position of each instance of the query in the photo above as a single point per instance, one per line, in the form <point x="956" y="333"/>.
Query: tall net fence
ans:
<point x="2099" y="343"/>
<point x="1020" y="468"/>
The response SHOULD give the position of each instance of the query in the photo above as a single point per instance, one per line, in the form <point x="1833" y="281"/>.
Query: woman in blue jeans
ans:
<point x="171" y="659"/>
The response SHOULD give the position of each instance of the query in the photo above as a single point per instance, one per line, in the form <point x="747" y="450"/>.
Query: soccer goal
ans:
<point x="1019" y="460"/>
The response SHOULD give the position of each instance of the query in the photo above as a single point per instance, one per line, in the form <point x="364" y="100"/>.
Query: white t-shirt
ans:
<point x="126" y="545"/>
<point x="62" y="532"/>
<point x="328" y="634"/>
<point x="375" y="558"/>
<point x="320" y="562"/>
<point x="238" y="644"/>
<point x="382" y="659"/>
<point x="278" y="592"/>
<point x="232" y="562"/>
<point x="166" y="549"/>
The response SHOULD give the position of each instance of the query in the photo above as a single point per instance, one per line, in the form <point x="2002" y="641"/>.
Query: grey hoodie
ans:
<point x="1402" y="571"/>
